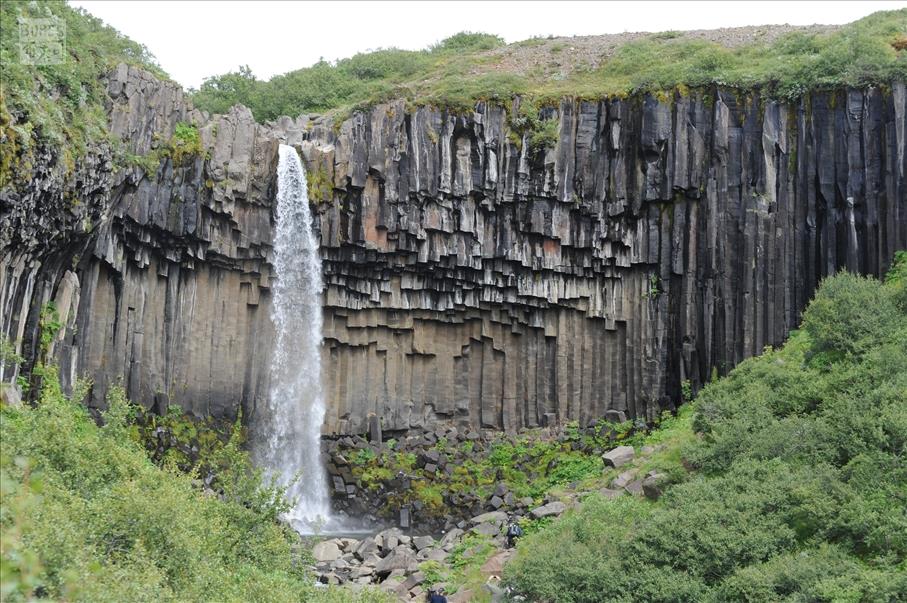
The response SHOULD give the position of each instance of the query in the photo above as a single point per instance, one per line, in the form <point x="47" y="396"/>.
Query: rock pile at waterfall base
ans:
<point x="431" y="481"/>
<point x="406" y="562"/>
<point x="401" y="564"/>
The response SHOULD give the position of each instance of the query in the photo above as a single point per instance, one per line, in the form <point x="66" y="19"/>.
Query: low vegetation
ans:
<point x="530" y="465"/>
<point x="87" y="516"/>
<point x="465" y="68"/>
<point x="57" y="104"/>
<point x="798" y="487"/>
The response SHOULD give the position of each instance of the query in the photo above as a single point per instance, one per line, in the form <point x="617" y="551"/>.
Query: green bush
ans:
<point x="86" y="516"/>
<point x="467" y="41"/>
<point x="799" y="488"/>
<point x="546" y="135"/>
<point x="185" y="144"/>
<point x="896" y="279"/>
<point x="849" y="314"/>
<point x="217" y="94"/>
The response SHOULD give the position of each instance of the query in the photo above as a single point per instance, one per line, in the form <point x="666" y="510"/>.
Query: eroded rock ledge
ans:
<point x="469" y="279"/>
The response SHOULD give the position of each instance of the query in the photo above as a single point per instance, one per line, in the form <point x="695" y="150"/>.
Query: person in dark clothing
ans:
<point x="436" y="596"/>
<point x="514" y="531"/>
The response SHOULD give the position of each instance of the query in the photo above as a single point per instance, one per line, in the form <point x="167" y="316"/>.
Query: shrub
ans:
<point x="896" y="280"/>
<point x="466" y="41"/>
<point x="545" y="135"/>
<point x="799" y="493"/>
<point x="849" y="314"/>
<point x="86" y="516"/>
<point x="185" y="144"/>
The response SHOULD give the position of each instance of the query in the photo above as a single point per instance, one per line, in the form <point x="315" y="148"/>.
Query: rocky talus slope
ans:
<point x="407" y="561"/>
<point x="469" y="278"/>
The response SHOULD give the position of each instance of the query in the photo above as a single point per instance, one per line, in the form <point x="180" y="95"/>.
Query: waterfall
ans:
<point x="290" y="435"/>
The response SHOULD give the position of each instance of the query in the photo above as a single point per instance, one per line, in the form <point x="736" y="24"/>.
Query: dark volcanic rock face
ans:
<point x="468" y="277"/>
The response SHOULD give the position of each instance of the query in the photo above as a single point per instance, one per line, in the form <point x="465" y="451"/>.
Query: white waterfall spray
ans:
<point x="292" y="428"/>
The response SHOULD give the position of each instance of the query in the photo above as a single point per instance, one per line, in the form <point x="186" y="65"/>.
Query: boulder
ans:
<point x="623" y="479"/>
<point x="361" y="571"/>
<point x="367" y="547"/>
<point x="423" y="542"/>
<point x="326" y="551"/>
<point x="553" y="508"/>
<point x="462" y="596"/>
<point x="634" y="487"/>
<point x="340" y="564"/>
<point x="392" y="581"/>
<point x="653" y="485"/>
<point x="405" y="518"/>
<point x="413" y="580"/>
<point x="430" y="456"/>
<point x="339" y="485"/>
<point x="439" y="555"/>
<point x="451" y="537"/>
<point x="401" y="558"/>
<point x="615" y="416"/>
<point x="374" y="429"/>
<point x="10" y="394"/>
<point x="348" y="545"/>
<point x="495" y="564"/>
<point x="388" y="539"/>
<point x="487" y="529"/>
<point x="619" y="456"/>
<point x="498" y="517"/>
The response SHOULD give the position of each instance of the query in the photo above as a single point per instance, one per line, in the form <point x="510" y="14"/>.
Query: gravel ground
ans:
<point x="566" y="54"/>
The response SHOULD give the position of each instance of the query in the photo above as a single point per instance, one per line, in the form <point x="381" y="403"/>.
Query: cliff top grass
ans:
<point x="469" y="67"/>
<point x="62" y="103"/>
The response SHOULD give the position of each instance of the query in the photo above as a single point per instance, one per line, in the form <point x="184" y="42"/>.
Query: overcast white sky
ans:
<point x="193" y="40"/>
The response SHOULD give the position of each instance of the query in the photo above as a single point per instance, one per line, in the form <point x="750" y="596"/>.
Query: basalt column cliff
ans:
<point x="469" y="276"/>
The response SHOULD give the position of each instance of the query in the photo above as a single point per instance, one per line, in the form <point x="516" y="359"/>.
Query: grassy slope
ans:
<point x="799" y="481"/>
<point x="61" y="105"/>
<point x="470" y="67"/>
<point x="86" y="516"/>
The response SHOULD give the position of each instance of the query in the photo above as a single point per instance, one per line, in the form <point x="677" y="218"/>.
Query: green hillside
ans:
<point x="469" y="66"/>
<point x="798" y="490"/>
<point x="61" y="105"/>
<point x="86" y="516"/>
